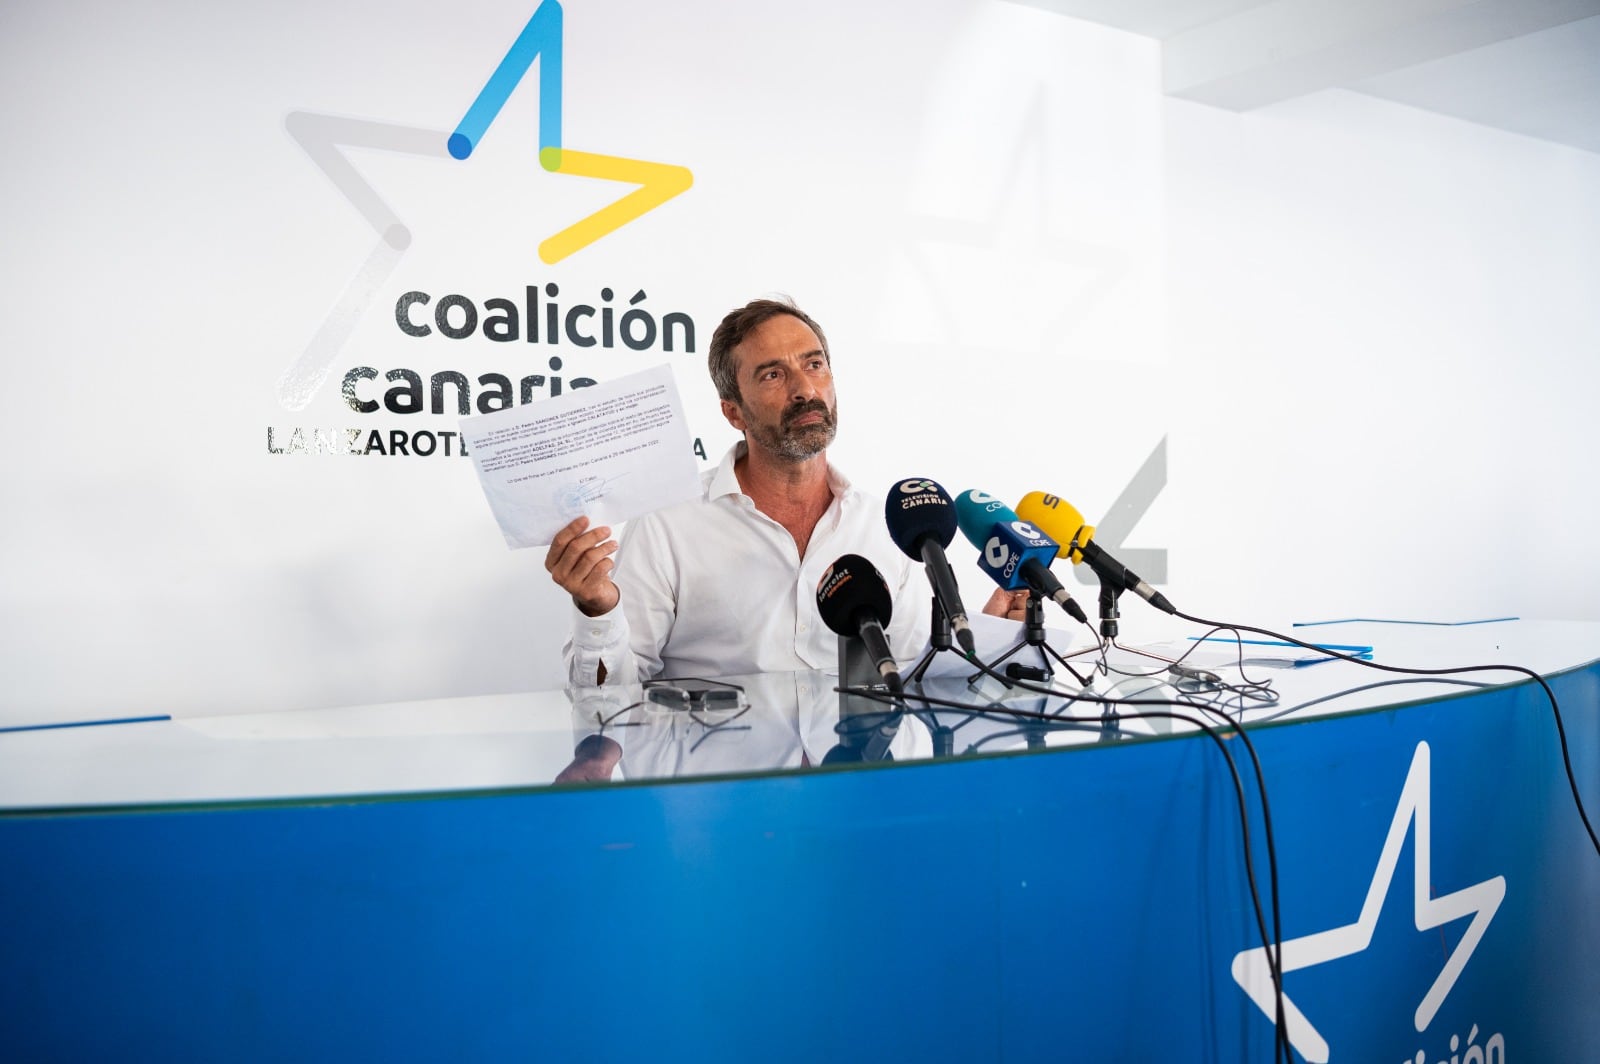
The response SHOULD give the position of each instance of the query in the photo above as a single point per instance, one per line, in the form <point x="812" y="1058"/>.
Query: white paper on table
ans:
<point x="612" y="451"/>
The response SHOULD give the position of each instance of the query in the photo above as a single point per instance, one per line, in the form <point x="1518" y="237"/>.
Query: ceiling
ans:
<point x="1526" y="66"/>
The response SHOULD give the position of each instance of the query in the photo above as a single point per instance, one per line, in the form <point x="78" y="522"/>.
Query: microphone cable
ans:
<point x="1253" y="690"/>
<point x="1555" y="706"/>
<point x="1257" y="691"/>
<point x="1272" y="948"/>
<point x="1280" y="714"/>
<point x="1271" y="944"/>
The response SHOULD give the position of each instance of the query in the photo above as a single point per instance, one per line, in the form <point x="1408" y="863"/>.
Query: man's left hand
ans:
<point x="1012" y="605"/>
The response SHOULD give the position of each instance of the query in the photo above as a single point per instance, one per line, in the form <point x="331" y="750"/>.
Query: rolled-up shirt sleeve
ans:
<point x="595" y="641"/>
<point x="628" y="640"/>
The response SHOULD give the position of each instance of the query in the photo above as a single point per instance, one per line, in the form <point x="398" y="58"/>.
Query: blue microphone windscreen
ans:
<point x="977" y="513"/>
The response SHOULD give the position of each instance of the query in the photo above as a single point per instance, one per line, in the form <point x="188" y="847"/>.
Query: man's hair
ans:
<point x="732" y="331"/>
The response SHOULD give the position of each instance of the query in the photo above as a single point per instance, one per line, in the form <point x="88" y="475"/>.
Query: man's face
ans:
<point x="787" y="406"/>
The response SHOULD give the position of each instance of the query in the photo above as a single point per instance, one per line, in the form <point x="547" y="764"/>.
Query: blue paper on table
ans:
<point x="1288" y="654"/>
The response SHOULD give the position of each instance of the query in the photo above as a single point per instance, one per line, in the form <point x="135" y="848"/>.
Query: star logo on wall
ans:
<point x="324" y="138"/>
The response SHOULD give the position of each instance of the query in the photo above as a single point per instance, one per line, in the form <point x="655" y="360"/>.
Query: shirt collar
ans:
<point x="725" y="482"/>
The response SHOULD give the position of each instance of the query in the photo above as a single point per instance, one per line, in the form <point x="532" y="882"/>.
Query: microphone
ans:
<point x="1011" y="551"/>
<point x="922" y="522"/>
<point x="854" y="602"/>
<point x="1059" y="520"/>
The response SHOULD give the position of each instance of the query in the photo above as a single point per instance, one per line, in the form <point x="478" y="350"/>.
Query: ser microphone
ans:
<point x="1013" y="552"/>
<point x="1062" y="522"/>
<point x="854" y="602"/>
<point x="922" y="522"/>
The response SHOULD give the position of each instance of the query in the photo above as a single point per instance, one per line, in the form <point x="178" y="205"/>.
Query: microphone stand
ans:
<point x="1033" y="636"/>
<point x="865" y="727"/>
<point x="1109" y="595"/>
<point x="939" y="640"/>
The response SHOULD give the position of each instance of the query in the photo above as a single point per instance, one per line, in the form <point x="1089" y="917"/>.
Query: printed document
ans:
<point x="612" y="451"/>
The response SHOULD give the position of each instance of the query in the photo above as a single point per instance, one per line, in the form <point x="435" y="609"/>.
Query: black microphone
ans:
<point x="922" y="522"/>
<point x="854" y="602"/>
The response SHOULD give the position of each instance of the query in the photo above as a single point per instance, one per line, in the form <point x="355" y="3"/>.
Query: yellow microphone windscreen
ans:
<point x="1059" y="520"/>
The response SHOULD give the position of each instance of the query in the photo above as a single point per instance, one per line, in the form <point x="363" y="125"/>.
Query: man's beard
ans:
<point x="797" y="443"/>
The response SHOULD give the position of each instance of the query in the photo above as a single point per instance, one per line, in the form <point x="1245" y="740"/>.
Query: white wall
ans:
<point x="1362" y="330"/>
<point x="1385" y="322"/>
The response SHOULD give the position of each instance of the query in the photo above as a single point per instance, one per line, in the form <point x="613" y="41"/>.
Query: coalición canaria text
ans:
<point x="456" y="317"/>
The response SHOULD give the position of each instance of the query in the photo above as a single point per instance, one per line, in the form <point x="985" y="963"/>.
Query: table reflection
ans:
<point x="793" y="721"/>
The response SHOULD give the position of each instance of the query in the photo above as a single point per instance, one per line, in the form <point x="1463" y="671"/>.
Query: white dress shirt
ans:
<point x="714" y="587"/>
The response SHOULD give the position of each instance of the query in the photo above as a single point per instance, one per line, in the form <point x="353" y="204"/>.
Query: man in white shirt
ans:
<point x="725" y="585"/>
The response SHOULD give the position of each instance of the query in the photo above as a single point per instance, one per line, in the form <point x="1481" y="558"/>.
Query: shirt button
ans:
<point x="803" y="626"/>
